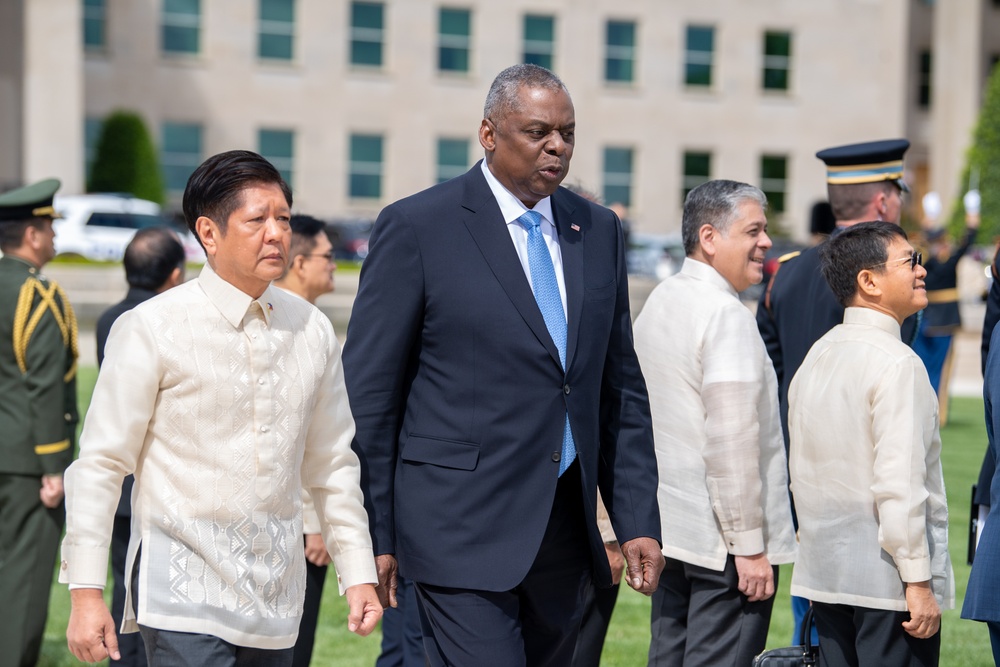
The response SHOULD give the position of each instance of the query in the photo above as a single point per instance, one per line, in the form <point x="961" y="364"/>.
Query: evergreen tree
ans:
<point x="125" y="159"/>
<point x="983" y="167"/>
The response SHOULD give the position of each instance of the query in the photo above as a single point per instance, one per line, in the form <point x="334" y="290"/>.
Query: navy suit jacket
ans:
<point x="460" y="399"/>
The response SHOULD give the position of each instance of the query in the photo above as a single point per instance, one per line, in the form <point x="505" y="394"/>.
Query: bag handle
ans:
<point x="805" y="637"/>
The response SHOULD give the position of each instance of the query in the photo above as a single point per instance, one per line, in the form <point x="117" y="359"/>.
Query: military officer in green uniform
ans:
<point x="38" y="350"/>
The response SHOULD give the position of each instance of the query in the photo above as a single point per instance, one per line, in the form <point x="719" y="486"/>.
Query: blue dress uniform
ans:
<point x="798" y="307"/>
<point x="38" y="416"/>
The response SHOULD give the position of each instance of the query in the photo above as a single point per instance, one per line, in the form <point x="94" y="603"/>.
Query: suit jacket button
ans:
<point x="556" y="456"/>
<point x="566" y="389"/>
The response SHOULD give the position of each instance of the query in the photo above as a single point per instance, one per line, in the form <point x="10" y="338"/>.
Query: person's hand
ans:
<point x="90" y="634"/>
<point x="386" y="567"/>
<point x="51" y="492"/>
<point x="364" y="609"/>
<point x="925" y="614"/>
<point x="756" y="577"/>
<point x="645" y="562"/>
<point x="972" y="202"/>
<point x="316" y="552"/>
<point x="616" y="560"/>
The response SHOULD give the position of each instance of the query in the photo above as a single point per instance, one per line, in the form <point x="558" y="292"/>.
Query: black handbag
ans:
<point x="793" y="656"/>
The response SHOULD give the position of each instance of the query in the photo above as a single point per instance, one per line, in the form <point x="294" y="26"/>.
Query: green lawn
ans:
<point x="964" y="643"/>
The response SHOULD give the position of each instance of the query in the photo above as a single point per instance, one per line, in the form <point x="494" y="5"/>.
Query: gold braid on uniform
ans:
<point x="26" y="321"/>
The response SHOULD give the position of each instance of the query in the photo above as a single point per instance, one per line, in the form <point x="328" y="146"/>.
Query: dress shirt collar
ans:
<point x="510" y="206"/>
<point x="702" y="271"/>
<point x="872" y="318"/>
<point x="232" y="302"/>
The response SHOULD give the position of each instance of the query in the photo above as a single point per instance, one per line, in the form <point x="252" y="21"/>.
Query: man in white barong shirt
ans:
<point x="723" y="495"/>
<point x="866" y="465"/>
<point x="225" y="396"/>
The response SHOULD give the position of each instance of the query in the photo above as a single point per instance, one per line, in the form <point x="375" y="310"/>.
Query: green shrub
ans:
<point x="125" y="159"/>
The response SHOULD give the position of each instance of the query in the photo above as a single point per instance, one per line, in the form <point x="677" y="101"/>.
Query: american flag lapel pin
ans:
<point x="270" y="307"/>
<point x="575" y="227"/>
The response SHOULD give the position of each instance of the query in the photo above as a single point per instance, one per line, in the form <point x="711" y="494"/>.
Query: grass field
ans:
<point x="964" y="643"/>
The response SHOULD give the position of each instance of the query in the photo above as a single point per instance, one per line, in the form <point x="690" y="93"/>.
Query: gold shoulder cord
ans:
<point x="24" y="326"/>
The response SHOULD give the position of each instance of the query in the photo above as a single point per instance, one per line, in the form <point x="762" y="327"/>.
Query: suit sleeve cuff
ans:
<point x="914" y="569"/>
<point x="355" y="567"/>
<point x="745" y="543"/>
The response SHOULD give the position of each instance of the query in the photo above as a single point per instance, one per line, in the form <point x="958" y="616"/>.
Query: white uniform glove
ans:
<point x="932" y="206"/>
<point x="972" y="200"/>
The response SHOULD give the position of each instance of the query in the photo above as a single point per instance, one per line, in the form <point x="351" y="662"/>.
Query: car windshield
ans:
<point x="126" y="220"/>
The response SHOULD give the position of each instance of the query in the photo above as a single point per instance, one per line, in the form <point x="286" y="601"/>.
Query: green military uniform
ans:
<point x="38" y="416"/>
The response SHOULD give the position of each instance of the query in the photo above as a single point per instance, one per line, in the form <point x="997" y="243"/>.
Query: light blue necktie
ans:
<point x="543" y="282"/>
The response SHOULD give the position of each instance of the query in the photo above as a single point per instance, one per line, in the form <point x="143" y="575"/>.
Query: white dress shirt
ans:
<point x="866" y="469"/>
<point x="224" y="407"/>
<point x="714" y="400"/>
<point x="512" y="208"/>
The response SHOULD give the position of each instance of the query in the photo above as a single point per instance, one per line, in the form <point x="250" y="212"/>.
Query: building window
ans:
<point x="777" y="60"/>
<point x="180" y="153"/>
<point x="94" y="18"/>
<point x="91" y="133"/>
<point x="452" y="158"/>
<point x="275" y="39"/>
<point x="698" y="52"/>
<point x="454" y="39"/>
<point x="366" y="166"/>
<point x="619" y="61"/>
<point x="278" y="147"/>
<point x="774" y="180"/>
<point x="367" y="33"/>
<point x="697" y="170"/>
<point x="539" y="40"/>
<point x="924" y="80"/>
<point x="618" y="176"/>
<point x="181" y="26"/>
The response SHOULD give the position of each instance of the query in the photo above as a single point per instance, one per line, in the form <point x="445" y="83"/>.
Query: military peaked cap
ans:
<point x="31" y="201"/>
<point x="869" y="162"/>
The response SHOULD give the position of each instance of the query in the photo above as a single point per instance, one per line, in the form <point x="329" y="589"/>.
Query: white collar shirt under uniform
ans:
<point x="714" y="401"/>
<point x="866" y="469"/>
<point x="225" y="407"/>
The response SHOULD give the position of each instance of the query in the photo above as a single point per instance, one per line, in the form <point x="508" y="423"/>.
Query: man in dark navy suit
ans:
<point x="494" y="384"/>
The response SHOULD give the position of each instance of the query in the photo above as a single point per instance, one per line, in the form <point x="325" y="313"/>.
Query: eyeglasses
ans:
<point x="914" y="259"/>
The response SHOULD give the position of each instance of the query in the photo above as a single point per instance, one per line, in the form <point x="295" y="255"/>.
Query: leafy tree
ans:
<point x="125" y="159"/>
<point x="983" y="166"/>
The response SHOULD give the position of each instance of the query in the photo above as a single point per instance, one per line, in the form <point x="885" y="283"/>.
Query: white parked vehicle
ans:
<point x="99" y="226"/>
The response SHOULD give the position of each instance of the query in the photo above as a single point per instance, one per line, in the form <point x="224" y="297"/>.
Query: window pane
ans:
<point x="452" y="158"/>
<point x="620" y="51"/>
<point x="181" y="23"/>
<point x="275" y="46"/>
<point x="366" y="33"/>
<point x="698" y="56"/>
<point x="539" y="34"/>
<point x="275" y="38"/>
<point x="777" y="60"/>
<point x="180" y="154"/>
<point x="282" y="11"/>
<point x="618" y="175"/>
<point x="454" y="40"/>
<point x="697" y="170"/>
<point x="365" y="178"/>
<point x="924" y="81"/>
<point x="773" y="180"/>
<point x="277" y="146"/>
<point x="93" y="23"/>
<point x="91" y="133"/>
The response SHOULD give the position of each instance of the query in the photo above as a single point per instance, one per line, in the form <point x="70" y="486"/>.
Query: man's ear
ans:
<point x="868" y="283"/>
<point x="707" y="234"/>
<point x="487" y="135"/>
<point x="209" y="233"/>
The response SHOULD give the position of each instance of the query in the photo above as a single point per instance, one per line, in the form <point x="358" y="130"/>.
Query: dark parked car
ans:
<point x="350" y="238"/>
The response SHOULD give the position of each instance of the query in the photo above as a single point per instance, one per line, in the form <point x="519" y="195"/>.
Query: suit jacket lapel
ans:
<point x="489" y="231"/>
<point x="571" y="245"/>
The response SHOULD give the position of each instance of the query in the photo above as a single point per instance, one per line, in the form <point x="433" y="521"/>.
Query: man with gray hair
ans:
<point x="724" y="508"/>
<point x="491" y="373"/>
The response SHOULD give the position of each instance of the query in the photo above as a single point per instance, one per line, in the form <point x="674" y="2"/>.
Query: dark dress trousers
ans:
<point x="460" y="399"/>
<point x="133" y="653"/>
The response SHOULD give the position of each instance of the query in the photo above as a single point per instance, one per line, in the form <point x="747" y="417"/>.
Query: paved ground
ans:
<point x="92" y="289"/>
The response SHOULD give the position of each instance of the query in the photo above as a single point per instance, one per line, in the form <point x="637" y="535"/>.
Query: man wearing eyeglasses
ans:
<point x="865" y="464"/>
